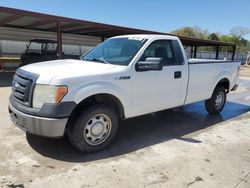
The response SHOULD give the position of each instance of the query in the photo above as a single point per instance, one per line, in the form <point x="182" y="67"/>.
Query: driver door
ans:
<point x="158" y="90"/>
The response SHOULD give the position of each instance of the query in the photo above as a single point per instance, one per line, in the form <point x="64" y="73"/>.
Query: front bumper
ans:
<point x="48" y="127"/>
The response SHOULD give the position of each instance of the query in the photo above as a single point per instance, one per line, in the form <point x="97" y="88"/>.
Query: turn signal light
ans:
<point x="61" y="91"/>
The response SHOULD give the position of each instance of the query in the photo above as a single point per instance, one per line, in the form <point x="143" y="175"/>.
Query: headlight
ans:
<point x="48" y="94"/>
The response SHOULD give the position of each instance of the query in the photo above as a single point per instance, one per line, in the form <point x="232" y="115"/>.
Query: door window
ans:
<point x="163" y="49"/>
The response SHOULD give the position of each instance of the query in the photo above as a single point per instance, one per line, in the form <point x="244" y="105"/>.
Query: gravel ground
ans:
<point x="181" y="147"/>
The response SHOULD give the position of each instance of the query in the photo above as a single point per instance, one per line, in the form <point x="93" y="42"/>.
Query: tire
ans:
<point x="216" y="103"/>
<point x="94" y="129"/>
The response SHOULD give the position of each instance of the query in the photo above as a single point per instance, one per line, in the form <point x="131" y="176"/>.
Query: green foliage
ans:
<point x="192" y="32"/>
<point x="236" y="36"/>
<point x="239" y="31"/>
<point x="213" y="36"/>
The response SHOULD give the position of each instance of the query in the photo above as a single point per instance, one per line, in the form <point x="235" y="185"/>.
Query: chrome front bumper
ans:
<point x="48" y="127"/>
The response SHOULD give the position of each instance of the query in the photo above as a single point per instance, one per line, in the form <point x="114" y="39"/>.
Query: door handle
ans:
<point x="177" y="74"/>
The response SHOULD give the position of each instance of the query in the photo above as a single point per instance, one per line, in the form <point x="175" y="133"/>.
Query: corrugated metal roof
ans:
<point x="16" y="18"/>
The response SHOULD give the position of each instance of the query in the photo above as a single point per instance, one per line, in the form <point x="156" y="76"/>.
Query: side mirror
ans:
<point x="150" y="64"/>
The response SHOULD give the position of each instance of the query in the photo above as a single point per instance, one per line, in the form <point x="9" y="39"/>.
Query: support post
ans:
<point x="234" y="49"/>
<point x="103" y="39"/>
<point x="59" y="40"/>
<point x="217" y="52"/>
<point x="1" y="65"/>
<point x="192" y="51"/>
<point x="195" y="51"/>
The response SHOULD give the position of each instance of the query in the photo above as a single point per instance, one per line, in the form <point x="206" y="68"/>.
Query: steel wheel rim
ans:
<point x="97" y="129"/>
<point x="219" y="101"/>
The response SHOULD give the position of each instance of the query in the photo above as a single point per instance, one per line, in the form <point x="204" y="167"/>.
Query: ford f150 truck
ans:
<point x="123" y="77"/>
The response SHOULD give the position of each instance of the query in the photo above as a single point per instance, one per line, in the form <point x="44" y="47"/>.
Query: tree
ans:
<point x="213" y="36"/>
<point x="184" y="31"/>
<point x="240" y="31"/>
<point x="236" y="36"/>
<point x="192" y="32"/>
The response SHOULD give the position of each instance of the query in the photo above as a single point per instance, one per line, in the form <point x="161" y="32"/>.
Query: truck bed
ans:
<point x="204" y="75"/>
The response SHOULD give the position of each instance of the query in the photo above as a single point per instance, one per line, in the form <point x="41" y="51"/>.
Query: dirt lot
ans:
<point x="181" y="147"/>
<point x="245" y="71"/>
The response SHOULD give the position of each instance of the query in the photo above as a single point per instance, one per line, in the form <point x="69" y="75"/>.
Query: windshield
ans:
<point x="117" y="51"/>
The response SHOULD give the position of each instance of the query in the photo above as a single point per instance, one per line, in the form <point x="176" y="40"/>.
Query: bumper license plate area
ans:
<point x="18" y="120"/>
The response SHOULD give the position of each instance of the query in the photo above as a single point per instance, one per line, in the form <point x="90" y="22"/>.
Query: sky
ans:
<point x="156" y="15"/>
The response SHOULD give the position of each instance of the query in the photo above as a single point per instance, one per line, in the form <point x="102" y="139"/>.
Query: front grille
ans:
<point x="23" y="85"/>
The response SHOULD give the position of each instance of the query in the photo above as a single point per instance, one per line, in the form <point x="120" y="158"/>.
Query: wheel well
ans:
<point x="225" y="83"/>
<point x="108" y="99"/>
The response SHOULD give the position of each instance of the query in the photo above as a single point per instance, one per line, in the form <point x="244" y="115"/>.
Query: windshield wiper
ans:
<point x="99" y="60"/>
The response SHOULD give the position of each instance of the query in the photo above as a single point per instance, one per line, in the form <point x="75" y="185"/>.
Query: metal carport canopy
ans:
<point x="16" y="18"/>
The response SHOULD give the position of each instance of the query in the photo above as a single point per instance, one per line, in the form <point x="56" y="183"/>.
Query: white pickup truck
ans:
<point x="123" y="77"/>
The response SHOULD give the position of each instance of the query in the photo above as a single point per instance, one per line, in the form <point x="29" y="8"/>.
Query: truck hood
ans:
<point x="68" y="68"/>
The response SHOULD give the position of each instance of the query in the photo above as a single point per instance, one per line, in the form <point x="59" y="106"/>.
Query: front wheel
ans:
<point x="216" y="103"/>
<point x="95" y="128"/>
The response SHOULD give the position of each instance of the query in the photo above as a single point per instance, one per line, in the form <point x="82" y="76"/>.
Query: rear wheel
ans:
<point x="95" y="128"/>
<point x="216" y="103"/>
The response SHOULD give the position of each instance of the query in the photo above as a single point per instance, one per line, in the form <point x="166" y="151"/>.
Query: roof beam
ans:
<point x="10" y="19"/>
<point x="82" y="31"/>
<point x="79" y="30"/>
<point x="68" y="26"/>
<point x="40" y="23"/>
<point x="106" y="32"/>
<point x="71" y="27"/>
